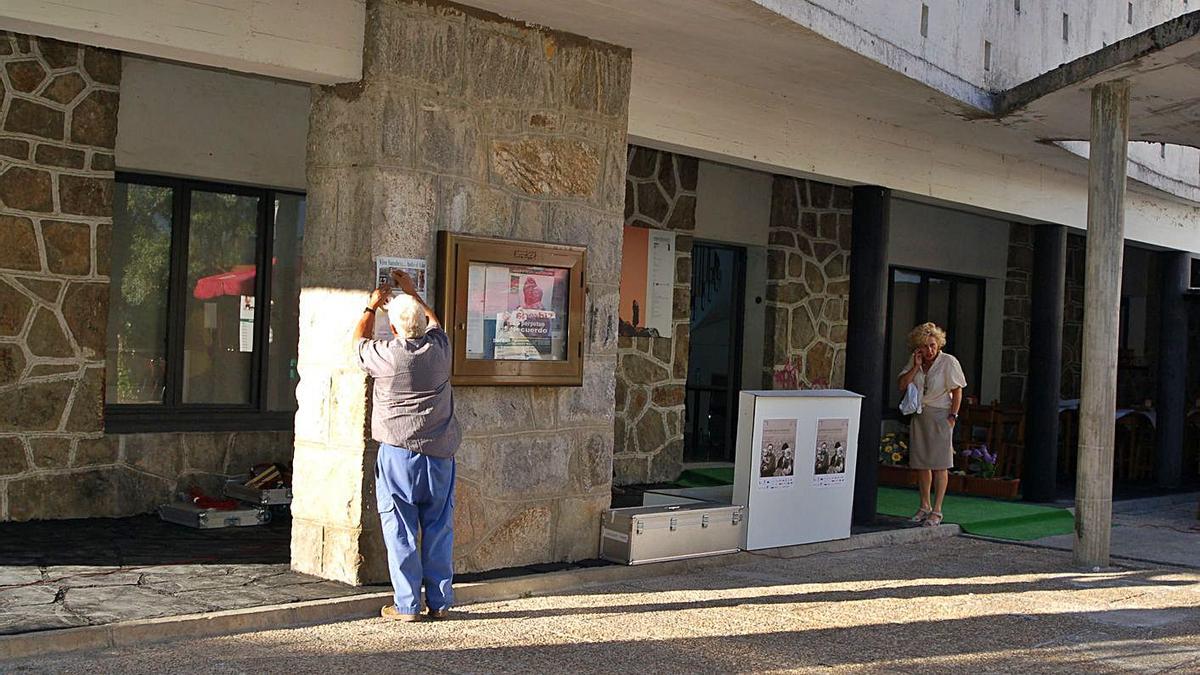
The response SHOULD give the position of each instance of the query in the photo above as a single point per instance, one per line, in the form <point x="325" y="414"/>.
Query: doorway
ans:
<point x="715" y="352"/>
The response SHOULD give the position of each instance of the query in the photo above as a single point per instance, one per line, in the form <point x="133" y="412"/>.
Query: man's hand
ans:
<point x="380" y="296"/>
<point x="404" y="282"/>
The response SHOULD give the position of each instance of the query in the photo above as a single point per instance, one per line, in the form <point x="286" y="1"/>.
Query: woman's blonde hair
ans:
<point x="919" y="335"/>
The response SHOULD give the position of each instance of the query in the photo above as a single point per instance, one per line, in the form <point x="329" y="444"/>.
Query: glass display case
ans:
<point x="514" y="310"/>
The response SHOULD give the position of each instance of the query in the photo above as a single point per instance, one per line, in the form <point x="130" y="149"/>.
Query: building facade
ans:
<point x="188" y="226"/>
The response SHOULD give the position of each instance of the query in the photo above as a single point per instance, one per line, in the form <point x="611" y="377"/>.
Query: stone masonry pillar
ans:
<point x="1040" y="467"/>
<point x="866" y="342"/>
<point x="1171" y="406"/>
<point x="466" y="122"/>
<point x="1101" y="320"/>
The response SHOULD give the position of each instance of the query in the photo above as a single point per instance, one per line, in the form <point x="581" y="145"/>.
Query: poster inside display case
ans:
<point x="514" y="310"/>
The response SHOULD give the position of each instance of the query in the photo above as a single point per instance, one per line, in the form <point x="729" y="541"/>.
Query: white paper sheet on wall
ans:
<point x="660" y="282"/>
<point x="415" y="267"/>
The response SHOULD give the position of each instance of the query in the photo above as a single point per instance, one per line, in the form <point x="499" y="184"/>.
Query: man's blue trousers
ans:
<point x="415" y="493"/>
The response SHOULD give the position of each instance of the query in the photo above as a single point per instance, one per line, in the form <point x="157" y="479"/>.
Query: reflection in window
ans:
<point x="952" y="302"/>
<point x="188" y="304"/>
<point x="137" y="317"/>
<point x="220" y="308"/>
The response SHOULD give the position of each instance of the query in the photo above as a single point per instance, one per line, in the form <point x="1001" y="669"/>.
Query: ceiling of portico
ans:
<point x="741" y="42"/>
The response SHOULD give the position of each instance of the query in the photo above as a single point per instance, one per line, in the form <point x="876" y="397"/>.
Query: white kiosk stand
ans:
<point x="796" y="453"/>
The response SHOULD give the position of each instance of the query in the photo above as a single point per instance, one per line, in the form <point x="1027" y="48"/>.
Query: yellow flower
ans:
<point x="896" y="457"/>
<point x="904" y="445"/>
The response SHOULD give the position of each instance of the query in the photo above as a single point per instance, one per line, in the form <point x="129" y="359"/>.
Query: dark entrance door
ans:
<point x="715" y="352"/>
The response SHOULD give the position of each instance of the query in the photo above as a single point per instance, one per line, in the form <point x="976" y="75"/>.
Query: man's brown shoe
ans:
<point x="439" y="614"/>
<point x="389" y="612"/>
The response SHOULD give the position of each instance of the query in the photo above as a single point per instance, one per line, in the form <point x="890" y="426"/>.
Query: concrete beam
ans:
<point x="1101" y="321"/>
<point x="315" y="41"/>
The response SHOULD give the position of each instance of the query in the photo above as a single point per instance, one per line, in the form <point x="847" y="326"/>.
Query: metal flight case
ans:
<point x="213" y="519"/>
<point x="647" y="534"/>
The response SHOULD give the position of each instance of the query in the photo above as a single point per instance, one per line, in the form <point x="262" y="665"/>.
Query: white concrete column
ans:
<point x="1101" y="321"/>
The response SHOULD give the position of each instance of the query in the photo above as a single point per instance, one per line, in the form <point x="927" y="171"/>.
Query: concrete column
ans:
<point x="1101" y="321"/>
<point x="467" y="123"/>
<point x="1040" y="468"/>
<point x="1171" y="405"/>
<point x="866" y="346"/>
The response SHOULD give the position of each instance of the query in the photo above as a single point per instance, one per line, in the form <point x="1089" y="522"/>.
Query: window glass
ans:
<point x="517" y="313"/>
<point x="906" y="288"/>
<point x="954" y="303"/>
<point x="285" y="302"/>
<point x="967" y="314"/>
<point x="220" y="306"/>
<point x="137" y="317"/>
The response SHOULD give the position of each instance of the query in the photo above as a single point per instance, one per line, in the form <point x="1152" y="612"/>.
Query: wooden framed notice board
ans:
<point x="513" y="309"/>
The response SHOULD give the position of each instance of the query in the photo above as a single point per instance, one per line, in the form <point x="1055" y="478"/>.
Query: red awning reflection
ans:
<point x="237" y="281"/>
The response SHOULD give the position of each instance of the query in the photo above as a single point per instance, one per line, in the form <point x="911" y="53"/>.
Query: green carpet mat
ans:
<point x="985" y="517"/>
<point x="705" y="477"/>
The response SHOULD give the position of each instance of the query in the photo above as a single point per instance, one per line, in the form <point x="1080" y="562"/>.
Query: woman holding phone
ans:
<point x="939" y="378"/>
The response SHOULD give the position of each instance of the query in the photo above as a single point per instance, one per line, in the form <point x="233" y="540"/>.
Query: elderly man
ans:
<point x="413" y="420"/>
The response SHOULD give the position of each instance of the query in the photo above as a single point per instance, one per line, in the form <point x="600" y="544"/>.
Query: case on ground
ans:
<point x="265" y="496"/>
<point x="646" y="534"/>
<point x="211" y="519"/>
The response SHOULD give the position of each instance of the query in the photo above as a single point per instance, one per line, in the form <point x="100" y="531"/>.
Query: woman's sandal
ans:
<point x="934" y="519"/>
<point x="920" y="516"/>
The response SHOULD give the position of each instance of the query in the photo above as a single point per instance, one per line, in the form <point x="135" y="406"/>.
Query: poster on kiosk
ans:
<point x="794" y="472"/>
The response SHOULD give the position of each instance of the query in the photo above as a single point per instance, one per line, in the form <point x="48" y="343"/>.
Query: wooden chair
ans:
<point x="1133" y="448"/>
<point x="1009" y="437"/>
<point x="1191" y="444"/>
<point x="975" y="427"/>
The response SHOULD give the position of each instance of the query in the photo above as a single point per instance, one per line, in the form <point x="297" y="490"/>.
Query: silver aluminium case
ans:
<point x="646" y="534"/>
<point x="265" y="496"/>
<point x="213" y="519"/>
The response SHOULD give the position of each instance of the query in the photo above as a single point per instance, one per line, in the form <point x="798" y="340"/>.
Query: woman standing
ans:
<point x="940" y="381"/>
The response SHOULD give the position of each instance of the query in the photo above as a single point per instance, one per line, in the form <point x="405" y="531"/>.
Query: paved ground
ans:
<point x="60" y="574"/>
<point x="958" y="604"/>
<point x="1162" y="530"/>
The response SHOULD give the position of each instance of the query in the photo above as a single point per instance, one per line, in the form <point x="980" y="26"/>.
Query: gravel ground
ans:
<point x="952" y="605"/>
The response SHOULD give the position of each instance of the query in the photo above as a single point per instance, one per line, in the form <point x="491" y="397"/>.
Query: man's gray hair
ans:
<point x="407" y="316"/>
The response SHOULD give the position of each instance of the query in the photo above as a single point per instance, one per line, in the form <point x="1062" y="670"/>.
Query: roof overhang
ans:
<point x="1162" y="66"/>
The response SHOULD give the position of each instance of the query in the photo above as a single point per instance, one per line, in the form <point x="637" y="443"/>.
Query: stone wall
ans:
<point x="470" y="123"/>
<point x="128" y="474"/>
<point x="1018" y="289"/>
<point x="808" y="281"/>
<point x="59" y="123"/>
<point x="1072" y="349"/>
<point x="660" y="193"/>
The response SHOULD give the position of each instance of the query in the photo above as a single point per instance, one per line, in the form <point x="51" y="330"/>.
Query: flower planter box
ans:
<point x="956" y="482"/>
<point x="1000" y="488"/>
<point x="897" y="476"/>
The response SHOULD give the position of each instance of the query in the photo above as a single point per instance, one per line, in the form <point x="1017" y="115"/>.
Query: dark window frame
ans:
<point x="889" y="376"/>
<point x="691" y="420"/>
<point x="173" y="415"/>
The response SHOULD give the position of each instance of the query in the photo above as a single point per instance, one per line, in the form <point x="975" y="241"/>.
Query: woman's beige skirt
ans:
<point x="931" y="445"/>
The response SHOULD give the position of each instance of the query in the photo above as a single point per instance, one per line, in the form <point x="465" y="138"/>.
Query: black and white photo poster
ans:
<point x="829" y="464"/>
<point x="777" y="459"/>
